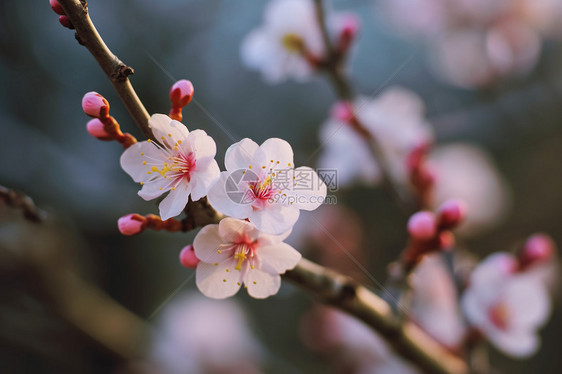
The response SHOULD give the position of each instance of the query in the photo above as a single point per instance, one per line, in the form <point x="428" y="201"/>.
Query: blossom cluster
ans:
<point x="475" y="43"/>
<point x="245" y="248"/>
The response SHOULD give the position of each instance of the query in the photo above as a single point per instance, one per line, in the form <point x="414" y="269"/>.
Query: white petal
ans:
<point x="224" y="201"/>
<point x="215" y="281"/>
<point x="262" y="284"/>
<point x="528" y="302"/>
<point x="281" y="256"/>
<point x="274" y="220"/>
<point x="201" y="144"/>
<point x="207" y="244"/>
<point x="230" y="230"/>
<point x="153" y="189"/>
<point x="204" y="176"/>
<point x="166" y="130"/>
<point x="278" y="152"/>
<point x="133" y="157"/>
<point x="515" y="343"/>
<point x="309" y="192"/>
<point x="476" y="312"/>
<point x="240" y="155"/>
<point x="175" y="202"/>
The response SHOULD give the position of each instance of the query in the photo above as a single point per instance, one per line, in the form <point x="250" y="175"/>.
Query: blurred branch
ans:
<point x="115" y="69"/>
<point x="406" y="338"/>
<point x="22" y="202"/>
<point x="334" y="67"/>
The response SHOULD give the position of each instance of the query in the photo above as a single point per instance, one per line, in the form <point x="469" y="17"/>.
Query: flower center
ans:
<point x="499" y="315"/>
<point x="244" y="251"/>
<point x="293" y="43"/>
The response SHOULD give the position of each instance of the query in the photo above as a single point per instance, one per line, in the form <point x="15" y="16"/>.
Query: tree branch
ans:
<point x="115" y="69"/>
<point x="328" y="286"/>
<point x="340" y="291"/>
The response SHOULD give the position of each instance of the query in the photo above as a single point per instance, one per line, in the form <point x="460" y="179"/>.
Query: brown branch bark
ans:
<point x="117" y="71"/>
<point x="407" y="339"/>
<point x="328" y="286"/>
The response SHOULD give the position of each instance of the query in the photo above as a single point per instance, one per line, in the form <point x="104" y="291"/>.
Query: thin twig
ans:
<point x="115" y="69"/>
<point x="22" y="202"/>
<point x="333" y="66"/>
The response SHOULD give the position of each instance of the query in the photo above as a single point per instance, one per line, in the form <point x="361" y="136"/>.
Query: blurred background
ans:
<point x="46" y="153"/>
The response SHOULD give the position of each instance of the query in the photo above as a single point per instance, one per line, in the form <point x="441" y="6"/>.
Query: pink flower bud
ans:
<point x="95" y="105"/>
<point x="188" y="258"/>
<point x="538" y="248"/>
<point x="181" y="93"/>
<point x="451" y="213"/>
<point x="422" y="226"/>
<point x="131" y="224"/>
<point x="342" y="111"/>
<point x="349" y="27"/>
<point x="57" y="8"/>
<point x="65" y="21"/>
<point x="97" y="129"/>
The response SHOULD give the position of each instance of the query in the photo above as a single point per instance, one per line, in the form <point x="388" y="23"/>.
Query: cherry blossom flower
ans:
<point x="395" y="119"/>
<point x="505" y="305"/>
<point x="199" y="335"/>
<point x="234" y="252"/>
<point x="261" y="184"/>
<point x="477" y="42"/>
<point x="466" y="172"/>
<point x="289" y="42"/>
<point x="435" y="301"/>
<point x="182" y="163"/>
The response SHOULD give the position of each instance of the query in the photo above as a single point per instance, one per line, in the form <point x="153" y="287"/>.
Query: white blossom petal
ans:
<point x="207" y="244"/>
<point x="516" y="343"/>
<point x="281" y="257"/>
<point x="277" y="152"/>
<point x="218" y="281"/>
<point x="167" y="131"/>
<point x="133" y="157"/>
<point x="223" y="201"/>
<point x="274" y="220"/>
<point x="175" y="202"/>
<point x="204" y="176"/>
<point x="313" y="194"/>
<point x="528" y="302"/>
<point x="262" y="284"/>
<point x="231" y="230"/>
<point x="201" y="144"/>
<point x="154" y="188"/>
<point x="240" y="155"/>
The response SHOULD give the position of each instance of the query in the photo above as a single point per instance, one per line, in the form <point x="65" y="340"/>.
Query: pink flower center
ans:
<point x="245" y="249"/>
<point x="499" y="315"/>
<point x="261" y="192"/>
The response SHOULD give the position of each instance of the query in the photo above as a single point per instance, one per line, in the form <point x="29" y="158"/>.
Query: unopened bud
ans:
<point x="538" y="248"/>
<point x="181" y="93"/>
<point x="57" y="8"/>
<point x="342" y="111"/>
<point x="131" y="224"/>
<point x="188" y="258"/>
<point x="422" y="226"/>
<point x="349" y="28"/>
<point x="451" y="213"/>
<point x="65" y="21"/>
<point x="97" y="129"/>
<point x="95" y="105"/>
